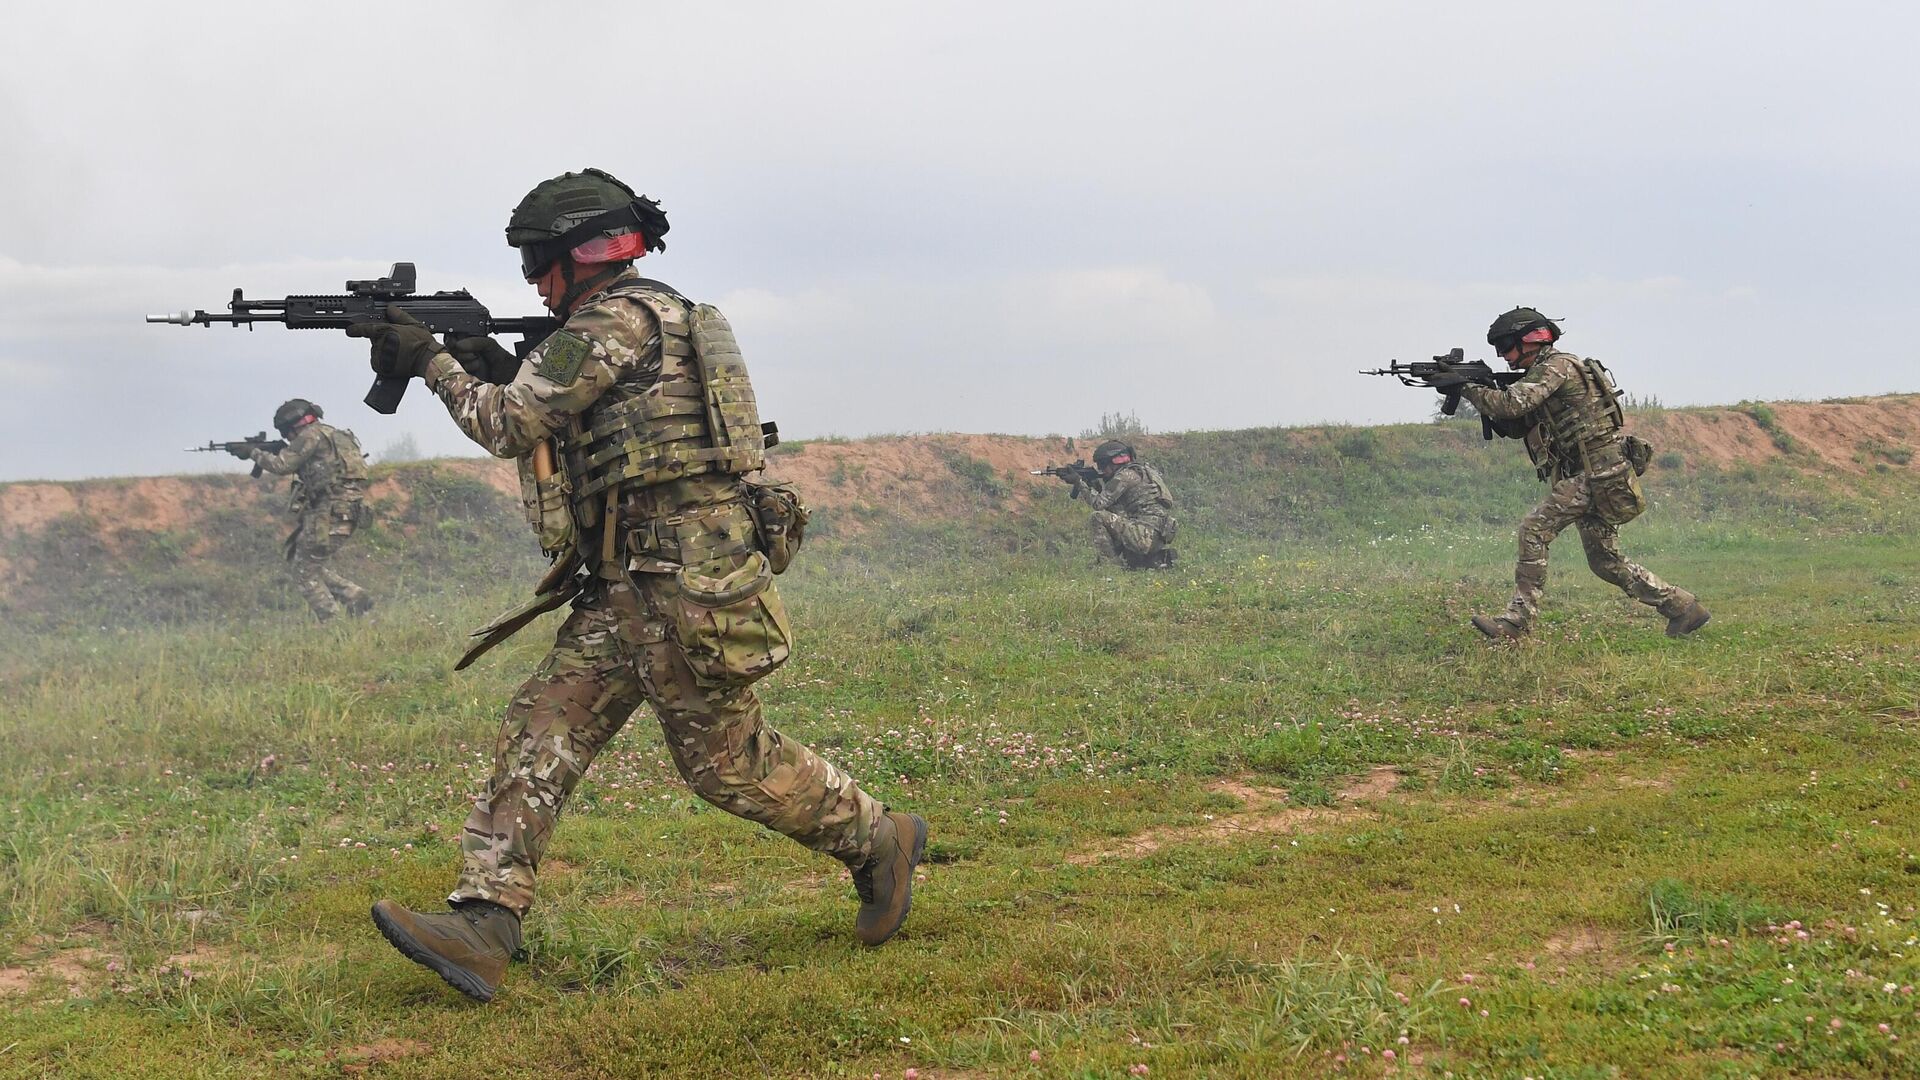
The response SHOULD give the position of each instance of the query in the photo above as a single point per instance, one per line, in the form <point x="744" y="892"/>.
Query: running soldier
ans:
<point x="632" y="426"/>
<point x="328" y="502"/>
<point x="1568" y="411"/>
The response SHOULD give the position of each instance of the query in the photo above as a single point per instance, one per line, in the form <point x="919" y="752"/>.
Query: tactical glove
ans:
<point x="485" y="359"/>
<point x="241" y="451"/>
<point x="400" y="347"/>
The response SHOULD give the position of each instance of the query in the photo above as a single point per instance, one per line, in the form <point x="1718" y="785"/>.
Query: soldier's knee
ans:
<point x="1607" y="568"/>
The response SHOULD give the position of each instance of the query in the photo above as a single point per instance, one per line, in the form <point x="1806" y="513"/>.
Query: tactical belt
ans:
<point x="662" y="541"/>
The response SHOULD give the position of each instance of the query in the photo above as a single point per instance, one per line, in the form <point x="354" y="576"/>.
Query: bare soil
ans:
<point x="1589" y="945"/>
<point x="912" y="475"/>
<point x="74" y="969"/>
<point x="1264" y="810"/>
<point x="1839" y="435"/>
<point x="917" y="475"/>
<point x="358" y="1059"/>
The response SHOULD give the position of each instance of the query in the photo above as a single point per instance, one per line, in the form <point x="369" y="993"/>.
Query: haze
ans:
<point x="978" y="217"/>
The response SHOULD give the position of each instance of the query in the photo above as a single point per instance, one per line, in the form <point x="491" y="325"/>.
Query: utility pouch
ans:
<point x="345" y="515"/>
<point x="728" y="619"/>
<point x="1616" y="494"/>
<point x="547" y="507"/>
<point x="780" y="518"/>
<point x="1638" y="452"/>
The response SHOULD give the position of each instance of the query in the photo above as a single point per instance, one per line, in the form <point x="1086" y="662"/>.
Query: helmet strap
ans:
<point x="577" y="291"/>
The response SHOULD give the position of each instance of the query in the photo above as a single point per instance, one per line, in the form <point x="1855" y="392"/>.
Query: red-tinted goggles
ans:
<point x="535" y="259"/>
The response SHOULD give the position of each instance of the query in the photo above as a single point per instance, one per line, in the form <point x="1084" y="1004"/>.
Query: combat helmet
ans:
<point x="1106" y="452"/>
<point x="1508" y="330"/>
<point x="290" y="412"/>
<point x="589" y="215"/>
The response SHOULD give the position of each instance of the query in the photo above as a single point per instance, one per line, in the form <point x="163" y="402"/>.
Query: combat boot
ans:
<point x="1166" y="558"/>
<point x="360" y="603"/>
<point x="468" y="946"/>
<point x="1498" y="628"/>
<point x="1693" y="618"/>
<point x="885" y="880"/>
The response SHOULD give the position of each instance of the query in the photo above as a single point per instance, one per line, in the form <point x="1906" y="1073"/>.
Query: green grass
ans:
<point x="1607" y="853"/>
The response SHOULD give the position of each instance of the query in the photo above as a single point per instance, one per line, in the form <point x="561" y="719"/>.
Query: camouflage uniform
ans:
<point x="329" y="490"/>
<point x="1573" y="436"/>
<point x="676" y="607"/>
<point x="1132" y="514"/>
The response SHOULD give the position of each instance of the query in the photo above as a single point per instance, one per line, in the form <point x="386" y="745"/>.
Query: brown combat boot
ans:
<point x="468" y="946"/>
<point x="1693" y="618"/>
<point x="1499" y="629"/>
<point x="885" y="880"/>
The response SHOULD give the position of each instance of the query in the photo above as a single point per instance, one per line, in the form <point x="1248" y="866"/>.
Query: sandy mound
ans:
<point x="1849" y="436"/>
<point x="922" y="476"/>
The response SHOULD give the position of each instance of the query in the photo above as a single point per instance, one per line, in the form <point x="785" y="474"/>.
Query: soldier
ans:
<point x="1132" y="508"/>
<point x="1569" y="413"/>
<point x="329" y="492"/>
<point x="632" y="425"/>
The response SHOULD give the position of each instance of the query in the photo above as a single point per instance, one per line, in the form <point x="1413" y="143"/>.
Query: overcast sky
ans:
<point x="964" y="217"/>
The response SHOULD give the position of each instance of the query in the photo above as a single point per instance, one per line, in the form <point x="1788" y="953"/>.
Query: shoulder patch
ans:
<point x="561" y="356"/>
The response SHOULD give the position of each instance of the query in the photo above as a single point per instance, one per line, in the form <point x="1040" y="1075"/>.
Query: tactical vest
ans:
<point x="696" y="419"/>
<point x="1578" y="429"/>
<point x="1160" y="498"/>
<point x="346" y="449"/>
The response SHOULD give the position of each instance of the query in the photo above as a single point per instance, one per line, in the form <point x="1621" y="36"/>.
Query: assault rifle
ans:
<point x="1078" y="471"/>
<point x="1451" y="373"/>
<point x="455" y="314"/>
<point x="240" y="446"/>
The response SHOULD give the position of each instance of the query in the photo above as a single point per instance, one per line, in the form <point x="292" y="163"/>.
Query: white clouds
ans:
<point x="1105" y="306"/>
<point x="993" y="216"/>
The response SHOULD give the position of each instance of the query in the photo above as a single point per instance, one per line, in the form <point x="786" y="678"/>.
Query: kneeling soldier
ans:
<point x="1132" y="508"/>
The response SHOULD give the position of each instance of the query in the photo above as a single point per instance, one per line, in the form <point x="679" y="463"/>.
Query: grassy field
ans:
<point x="1277" y="812"/>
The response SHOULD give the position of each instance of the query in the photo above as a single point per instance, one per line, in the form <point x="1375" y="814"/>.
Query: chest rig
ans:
<point x="1578" y="427"/>
<point x="352" y="460"/>
<point x="650" y="468"/>
<point x="1146" y="499"/>
<point x="338" y="470"/>
<point x="1154" y="497"/>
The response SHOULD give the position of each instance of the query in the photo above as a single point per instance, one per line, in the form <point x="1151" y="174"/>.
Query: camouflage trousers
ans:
<point x="615" y="651"/>
<point x="1571" y="503"/>
<point x="1127" y="539"/>
<point x="321" y="531"/>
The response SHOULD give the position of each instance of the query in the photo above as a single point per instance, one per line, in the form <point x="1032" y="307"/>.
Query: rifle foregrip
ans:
<point x="1451" y="405"/>
<point x="386" y="393"/>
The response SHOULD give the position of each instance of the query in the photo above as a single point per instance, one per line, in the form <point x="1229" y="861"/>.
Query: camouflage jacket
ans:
<point x="558" y="380"/>
<point x="609" y="352"/>
<point x="325" y="461"/>
<point x="1135" y="491"/>
<point x="1572" y="419"/>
